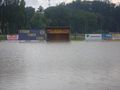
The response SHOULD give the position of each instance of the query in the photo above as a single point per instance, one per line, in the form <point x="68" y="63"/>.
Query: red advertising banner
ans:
<point x="12" y="37"/>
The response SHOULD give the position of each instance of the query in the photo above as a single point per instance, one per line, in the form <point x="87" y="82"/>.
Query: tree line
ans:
<point x="81" y="16"/>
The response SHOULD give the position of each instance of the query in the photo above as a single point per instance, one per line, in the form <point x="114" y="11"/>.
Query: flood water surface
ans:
<point x="60" y="66"/>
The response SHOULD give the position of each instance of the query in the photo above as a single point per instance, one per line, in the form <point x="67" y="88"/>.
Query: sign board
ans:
<point x="12" y="37"/>
<point x="42" y="32"/>
<point x="31" y="34"/>
<point x="116" y="36"/>
<point x="107" y="36"/>
<point x="24" y="31"/>
<point x="58" y="31"/>
<point x="93" y="36"/>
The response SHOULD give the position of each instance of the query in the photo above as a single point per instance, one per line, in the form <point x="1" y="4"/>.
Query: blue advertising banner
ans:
<point x="107" y="36"/>
<point x="31" y="34"/>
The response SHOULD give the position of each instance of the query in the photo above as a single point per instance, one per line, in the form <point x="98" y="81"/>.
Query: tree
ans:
<point x="80" y="21"/>
<point x="40" y="9"/>
<point x="22" y="14"/>
<point x="117" y="18"/>
<point x="38" y="21"/>
<point x="83" y="16"/>
<point x="9" y="12"/>
<point x="29" y="13"/>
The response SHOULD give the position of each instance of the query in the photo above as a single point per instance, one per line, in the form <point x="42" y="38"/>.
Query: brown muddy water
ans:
<point x="60" y="66"/>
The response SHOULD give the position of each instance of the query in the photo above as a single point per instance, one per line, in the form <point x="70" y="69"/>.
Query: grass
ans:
<point x="3" y="37"/>
<point x="77" y="38"/>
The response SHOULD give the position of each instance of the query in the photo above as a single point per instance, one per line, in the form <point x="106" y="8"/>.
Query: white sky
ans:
<point x="44" y="3"/>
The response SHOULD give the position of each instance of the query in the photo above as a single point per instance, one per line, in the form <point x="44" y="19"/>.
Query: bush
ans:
<point x="3" y="37"/>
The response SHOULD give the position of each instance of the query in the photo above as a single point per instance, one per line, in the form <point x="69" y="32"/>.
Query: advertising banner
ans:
<point x="24" y="31"/>
<point x="107" y="36"/>
<point x="116" y="36"/>
<point x="31" y="35"/>
<point x="58" y="31"/>
<point x="93" y="36"/>
<point x="12" y="37"/>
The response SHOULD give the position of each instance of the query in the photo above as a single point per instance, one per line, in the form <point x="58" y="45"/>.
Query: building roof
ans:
<point x="58" y="27"/>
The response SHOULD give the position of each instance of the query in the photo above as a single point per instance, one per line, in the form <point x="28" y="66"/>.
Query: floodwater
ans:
<point x="60" y="66"/>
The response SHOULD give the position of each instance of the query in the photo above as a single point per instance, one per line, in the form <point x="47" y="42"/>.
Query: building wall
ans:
<point x="58" y="34"/>
<point x="58" y="37"/>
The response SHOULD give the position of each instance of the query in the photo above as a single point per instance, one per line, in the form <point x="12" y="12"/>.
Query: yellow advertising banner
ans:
<point x="24" y="31"/>
<point x="116" y="36"/>
<point x="58" y="31"/>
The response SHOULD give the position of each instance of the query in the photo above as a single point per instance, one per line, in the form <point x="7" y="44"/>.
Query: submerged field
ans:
<point x="60" y="66"/>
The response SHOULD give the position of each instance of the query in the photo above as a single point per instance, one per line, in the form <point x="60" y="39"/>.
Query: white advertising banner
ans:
<point x="116" y="36"/>
<point x="93" y="36"/>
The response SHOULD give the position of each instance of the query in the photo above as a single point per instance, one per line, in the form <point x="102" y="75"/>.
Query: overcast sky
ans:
<point x="44" y="3"/>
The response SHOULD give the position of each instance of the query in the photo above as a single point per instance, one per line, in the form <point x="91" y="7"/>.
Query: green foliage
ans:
<point x="79" y="20"/>
<point x="29" y="12"/>
<point x="86" y="16"/>
<point x="38" y="21"/>
<point x="40" y="9"/>
<point x="3" y="37"/>
<point x="22" y="14"/>
<point x="81" y="15"/>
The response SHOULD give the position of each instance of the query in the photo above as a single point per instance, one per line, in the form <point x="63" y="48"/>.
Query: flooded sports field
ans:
<point x="60" y="66"/>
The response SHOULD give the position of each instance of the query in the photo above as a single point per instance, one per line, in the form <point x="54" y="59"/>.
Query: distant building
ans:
<point x="58" y="33"/>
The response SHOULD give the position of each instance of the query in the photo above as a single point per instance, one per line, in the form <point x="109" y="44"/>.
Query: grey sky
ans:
<point x="44" y="3"/>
